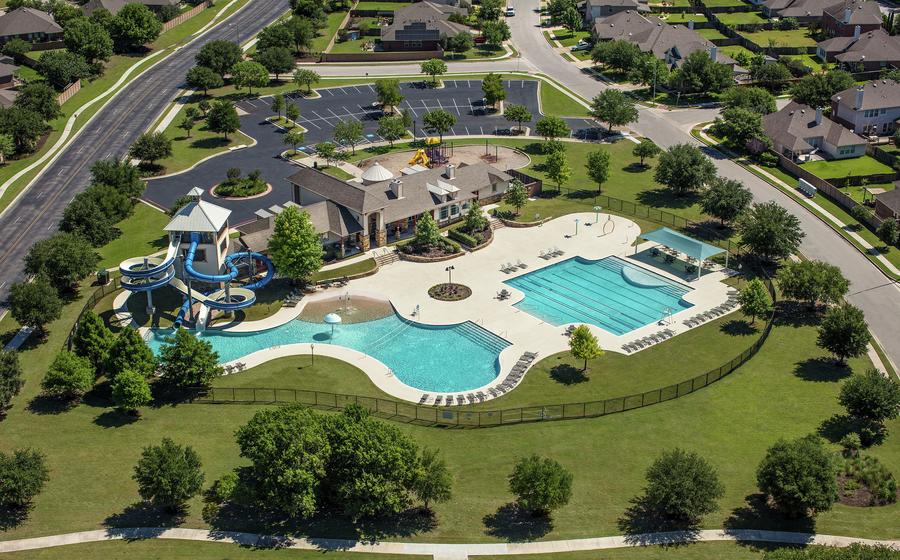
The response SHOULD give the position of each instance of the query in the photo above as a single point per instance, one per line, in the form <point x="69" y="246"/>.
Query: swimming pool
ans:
<point x="610" y="293"/>
<point x="446" y="358"/>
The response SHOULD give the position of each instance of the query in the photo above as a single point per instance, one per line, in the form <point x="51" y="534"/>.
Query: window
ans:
<point x="444" y="213"/>
<point x="494" y="188"/>
<point x="454" y="210"/>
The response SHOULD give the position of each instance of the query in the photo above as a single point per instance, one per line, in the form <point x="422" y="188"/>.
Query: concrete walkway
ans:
<point x="438" y="551"/>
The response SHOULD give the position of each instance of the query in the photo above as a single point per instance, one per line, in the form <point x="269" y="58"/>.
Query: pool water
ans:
<point x="449" y="358"/>
<point x="610" y="293"/>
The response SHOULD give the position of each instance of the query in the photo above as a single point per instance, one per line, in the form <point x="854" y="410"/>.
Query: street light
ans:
<point x="597" y="209"/>
<point x="312" y="350"/>
<point x="576" y="226"/>
<point x="450" y="270"/>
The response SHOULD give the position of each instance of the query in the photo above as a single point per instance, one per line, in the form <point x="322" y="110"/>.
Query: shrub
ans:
<point x="464" y="238"/>
<point x="23" y="473"/>
<point x="875" y="476"/>
<point x="540" y="484"/>
<point x="69" y="376"/>
<point x="799" y="476"/>
<point x="682" y="485"/>
<point x="168" y="475"/>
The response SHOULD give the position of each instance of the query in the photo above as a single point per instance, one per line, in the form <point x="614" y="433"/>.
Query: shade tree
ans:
<point x="682" y="486"/>
<point x="684" y="168"/>
<point x="540" y="484"/>
<point x="725" y="199"/>
<point x="769" y="231"/>
<point x="188" y="361"/>
<point x="35" y="303"/>
<point x="69" y="377"/>
<point x="168" y="475"/>
<point x="799" y="476"/>
<point x="295" y="247"/>
<point x="844" y="332"/>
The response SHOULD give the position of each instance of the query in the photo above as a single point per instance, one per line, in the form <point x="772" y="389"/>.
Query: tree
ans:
<point x="223" y="118"/>
<point x="278" y="104"/>
<point x="35" y="303"/>
<point x="39" y="98"/>
<point x="439" y="121"/>
<point x="684" y="168"/>
<point x="682" y="485"/>
<point x="201" y="77"/>
<point x="650" y="71"/>
<point x="88" y="39"/>
<point x="312" y="10"/>
<point x="277" y="60"/>
<point x="65" y="258"/>
<point x="551" y="128"/>
<point x="249" y="74"/>
<point x="348" y="133"/>
<point x="584" y="346"/>
<point x="434" y="483"/>
<point x="492" y="87"/>
<point x="168" y="474"/>
<point x="130" y="352"/>
<point x="188" y="361"/>
<point x="292" y="112"/>
<point x="187" y="124"/>
<point x="302" y="31"/>
<point x="516" y="195"/>
<point x="556" y="167"/>
<point x="888" y="232"/>
<point x="326" y="151"/>
<point x="517" y="114"/>
<point x="571" y="19"/>
<point x="700" y="74"/>
<point x="475" y="220"/>
<point x="598" y="167"/>
<point x="434" y="67"/>
<point x="387" y="92"/>
<point x="540" y="484"/>
<point x="646" y="149"/>
<point x="619" y="55"/>
<point x="427" y="232"/>
<point x="490" y="10"/>
<point x="16" y="48"/>
<point x="61" y="68"/>
<point x="130" y="391"/>
<point x="872" y="396"/>
<point x="295" y="247"/>
<point x="273" y="36"/>
<point x="306" y="77"/>
<point x="219" y="56"/>
<point x="754" y="300"/>
<point x="11" y="381"/>
<point x="391" y="128"/>
<point x="119" y="174"/>
<point x="812" y="282"/>
<point x="135" y="25"/>
<point x="799" y="476"/>
<point x="24" y="126"/>
<point x="737" y="127"/>
<point x="755" y="99"/>
<point x="725" y="199"/>
<point x="151" y="146"/>
<point x="770" y="231"/>
<point x="23" y="473"/>
<point x="816" y="90"/>
<point x="495" y="32"/>
<point x="69" y="377"/>
<point x="7" y="147"/>
<point x="92" y="339"/>
<point x="460" y="43"/>
<point x="770" y="75"/>
<point x="294" y="138"/>
<point x="844" y="332"/>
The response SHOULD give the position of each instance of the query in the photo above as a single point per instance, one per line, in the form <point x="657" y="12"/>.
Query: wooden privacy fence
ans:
<point x="181" y="18"/>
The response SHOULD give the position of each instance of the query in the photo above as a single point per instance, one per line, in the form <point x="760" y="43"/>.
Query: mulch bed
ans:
<point x="860" y="497"/>
<point x="449" y="292"/>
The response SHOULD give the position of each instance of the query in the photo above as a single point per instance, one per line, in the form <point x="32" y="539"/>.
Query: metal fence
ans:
<point x="458" y="417"/>
<point x="89" y="304"/>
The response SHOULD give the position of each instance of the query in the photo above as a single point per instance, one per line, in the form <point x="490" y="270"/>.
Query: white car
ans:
<point x="510" y="11"/>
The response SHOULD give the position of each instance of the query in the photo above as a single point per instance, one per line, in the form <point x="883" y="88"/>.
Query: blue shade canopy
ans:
<point x="682" y="243"/>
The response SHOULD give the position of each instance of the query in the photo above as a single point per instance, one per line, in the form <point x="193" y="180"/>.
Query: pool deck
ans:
<point x="405" y="284"/>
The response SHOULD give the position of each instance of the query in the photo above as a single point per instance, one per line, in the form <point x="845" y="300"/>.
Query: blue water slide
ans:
<point x="270" y="268"/>
<point x="213" y="278"/>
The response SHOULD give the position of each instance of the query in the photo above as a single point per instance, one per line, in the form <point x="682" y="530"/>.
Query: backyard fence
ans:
<point x="462" y="418"/>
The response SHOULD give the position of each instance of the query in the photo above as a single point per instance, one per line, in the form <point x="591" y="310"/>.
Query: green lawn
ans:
<point x="734" y="50"/>
<point x="555" y="102"/>
<point x="778" y="38"/>
<point x="351" y="46"/>
<point x="337" y="172"/>
<point x="698" y="551"/>
<point x="142" y="234"/>
<point x="685" y="17"/>
<point x="865" y="165"/>
<point x="723" y="3"/>
<point x="711" y="34"/>
<point x="333" y="22"/>
<point x="568" y="39"/>
<point x="475" y="53"/>
<point x="813" y="62"/>
<point x="381" y="6"/>
<point x="742" y="18"/>
<point x="348" y="270"/>
<point x="671" y="3"/>
<point x="201" y="144"/>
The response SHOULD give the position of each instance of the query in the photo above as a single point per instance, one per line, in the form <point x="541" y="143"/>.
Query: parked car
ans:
<point x="510" y="11"/>
<point x="581" y="46"/>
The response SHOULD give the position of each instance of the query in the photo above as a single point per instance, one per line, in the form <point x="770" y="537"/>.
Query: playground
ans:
<point x="501" y="157"/>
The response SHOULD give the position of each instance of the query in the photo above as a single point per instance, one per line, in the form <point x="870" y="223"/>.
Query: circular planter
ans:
<point x="449" y="292"/>
<point x="212" y="191"/>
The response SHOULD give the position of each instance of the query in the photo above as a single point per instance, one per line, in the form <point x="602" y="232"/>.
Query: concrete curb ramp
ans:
<point x="437" y="550"/>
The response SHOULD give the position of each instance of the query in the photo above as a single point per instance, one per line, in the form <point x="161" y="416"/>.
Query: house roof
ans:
<point x="7" y="69"/>
<point x="423" y="21"/>
<point x="796" y="8"/>
<point x="8" y="97"/>
<point x="795" y="124"/>
<point x="880" y="94"/>
<point x="22" y="21"/>
<point x="872" y="46"/>
<point x="633" y="4"/>
<point x="112" y="6"/>
<point x="862" y="12"/>
<point x="891" y="199"/>
<point x="333" y="218"/>
<point x="357" y="198"/>
<point x="425" y="11"/>
<point x="200" y="216"/>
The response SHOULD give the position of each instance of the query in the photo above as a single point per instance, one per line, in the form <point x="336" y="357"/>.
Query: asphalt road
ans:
<point x="34" y="216"/>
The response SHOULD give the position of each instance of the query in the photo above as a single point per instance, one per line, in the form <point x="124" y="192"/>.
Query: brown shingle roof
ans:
<point x="872" y="46"/>
<point x="795" y="123"/>
<point x="891" y="199"/>
<point x="880" y="94"/>
<point x="353" y="196"/>
<point x="433" y="16"/>
<point x="862" y="12"/>
<point x="22" y="21"/>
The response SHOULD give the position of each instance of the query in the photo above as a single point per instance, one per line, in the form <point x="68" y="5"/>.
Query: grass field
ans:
<point x="568" y="39"/>
<point x="202" y="143"/>
<point x="741" y="18"/>
<point x="142" y="234"/>
<point x="351" y="46"/>
<point x="778" y="38"/>
<point x="711" y="34"/>
<point x="723" y="3"/>
<point x="332" y="23"/>
<point x="865" y="165"/>
<point x="381" y="6"/>
<point x="348" y="270"/>
<point x="555" y="102"/>
<point x="685" y="17"/>
<point x="735" y="50"/>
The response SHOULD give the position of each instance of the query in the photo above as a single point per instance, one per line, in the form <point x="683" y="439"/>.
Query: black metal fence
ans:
<point x="91" y="302"/>
<point x="460" y="417"/>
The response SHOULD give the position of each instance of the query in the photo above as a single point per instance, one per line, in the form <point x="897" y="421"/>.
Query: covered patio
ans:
<point x="677" y="246"/>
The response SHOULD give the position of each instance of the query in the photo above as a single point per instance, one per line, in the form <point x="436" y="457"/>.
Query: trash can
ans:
<point x="103" y="277"/>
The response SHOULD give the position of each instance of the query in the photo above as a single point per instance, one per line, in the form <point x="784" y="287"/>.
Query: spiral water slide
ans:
<point x="145" y="274"/>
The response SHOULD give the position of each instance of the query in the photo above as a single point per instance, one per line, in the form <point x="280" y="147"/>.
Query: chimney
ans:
<point x="713" y="53"/>
<point x="818" y="115"/>
<point x="397" y="187"/>
<point x="860" y="92"/>
<point x="691" y="25"/>
<point x="856" y="30"/>
<point x="450" y="173"/>
<point x="847" y="13"/>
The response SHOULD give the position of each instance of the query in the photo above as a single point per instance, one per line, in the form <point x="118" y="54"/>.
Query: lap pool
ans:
<point x="446" y="358"/>
<point x="610" y="293"/>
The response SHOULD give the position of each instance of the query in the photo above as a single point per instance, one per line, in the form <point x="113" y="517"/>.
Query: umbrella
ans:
<point x="333" y="319"/>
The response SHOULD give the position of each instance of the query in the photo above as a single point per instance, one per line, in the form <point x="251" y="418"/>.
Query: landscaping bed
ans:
<point x="241" y="187"/>
<point x="449" y="292"/>
<point x="865" y="482"/>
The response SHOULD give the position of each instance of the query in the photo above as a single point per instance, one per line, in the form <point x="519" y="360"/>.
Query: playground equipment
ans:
<point x="433" y="154"/>
<point x="198" y="223"/>
<point x="420" y="158"/>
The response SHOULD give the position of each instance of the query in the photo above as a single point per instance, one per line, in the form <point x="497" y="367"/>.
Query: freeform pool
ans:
<point x="450" y="359"/>
<point x="610" y="293"/>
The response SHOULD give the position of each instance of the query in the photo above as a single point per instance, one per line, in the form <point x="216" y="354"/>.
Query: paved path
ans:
<point x="438" y="551"/>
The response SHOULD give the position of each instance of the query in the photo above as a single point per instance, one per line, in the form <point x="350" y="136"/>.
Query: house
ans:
<point x="421" y="27"/>
<point x="873" y="50"/>
<point x="8" y="97"/>
<point x="843" y="18"/>
<point x="798" y="131"/>
<point x="29" y="24"/>
<point x="8" y="73"/>
<point x="602" y="8"/>
<point x="870" y="109"/>
<point x="804" y="11"/>
<point x="887" y="204"/>
<point x="354" y="216"/>
<point x="113" y="6"/>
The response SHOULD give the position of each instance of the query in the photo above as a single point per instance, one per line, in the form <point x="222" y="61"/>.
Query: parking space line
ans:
<point x="371" y="89"/>
<point x="335" y="115"/>
<point x="467" y="131"/>
<point x="411" y="108"/>
<point x="468" y="83"/>
<point x="453" y="132"/>
<point x="357" y="89"/>
<point x="481" y="128"/>
<point x="353" y="116"/>
<point x="456" y="107"/>
<point x="305" y="122"/>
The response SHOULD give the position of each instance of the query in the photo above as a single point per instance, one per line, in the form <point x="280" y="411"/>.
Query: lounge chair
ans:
<point x="512" y="267"/>
<point x="480" y="396"/>
<point x="569" y="330"/>
<point x="438" y="400"/>
<point x="460" y="399"/>
<point x="521" y="265"/>
<point x="531" y="355"/>
<point x="424" y="398"/>
<point x="492" y="392"/>
<point x="558" y="251"/>
<point x="544" y="255"/>
<point x="448" y="400"/>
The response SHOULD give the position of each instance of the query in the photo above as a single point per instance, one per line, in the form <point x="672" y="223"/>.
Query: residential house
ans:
<point x="804" y="11"/>
<point x="843" y="18"/>
<point x="8" y="97"/>
<point x="870" y="51"/>
<point x="798" y="131"/>
<point x="421" y="27"/>
<point x="887" y="204"/>
<point x="8" y="73"/>
<point x="870" y="109"/>
<point x="603" y="8"/>
<point x="113" y="6"/>
<point x="29" y="25"/>
<point x="355" y="217"/>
